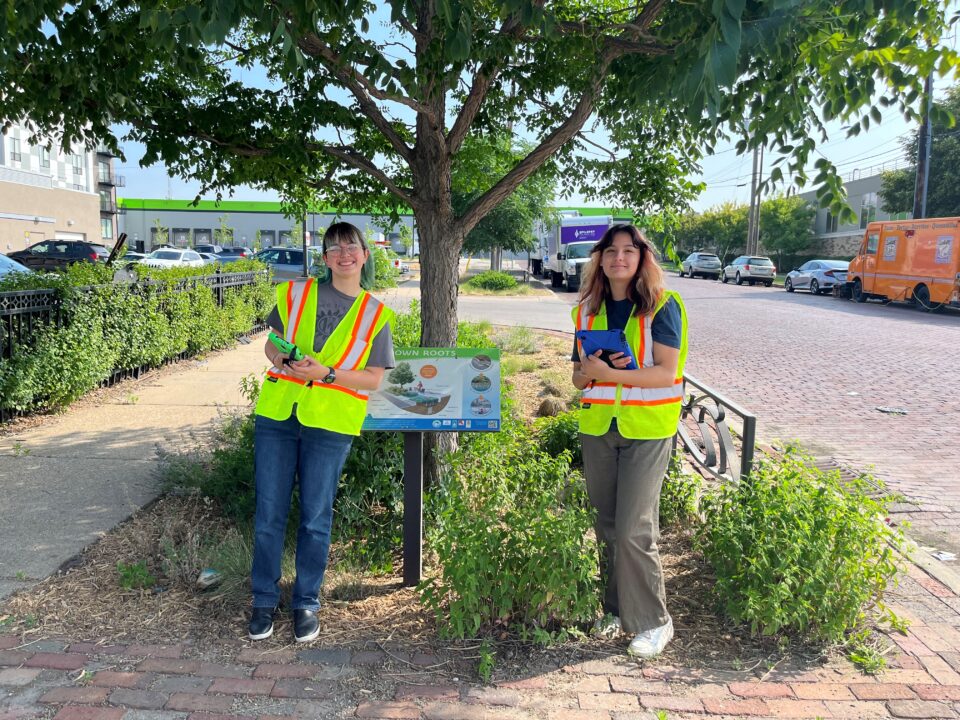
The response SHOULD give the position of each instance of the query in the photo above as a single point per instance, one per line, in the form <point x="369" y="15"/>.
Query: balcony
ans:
<point x="112" y="180"/>
<point x="104" y="151"/>
<point x="108" y="206"/>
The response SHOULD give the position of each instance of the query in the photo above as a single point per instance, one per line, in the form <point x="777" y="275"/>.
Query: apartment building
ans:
<point x="47" y="194"/>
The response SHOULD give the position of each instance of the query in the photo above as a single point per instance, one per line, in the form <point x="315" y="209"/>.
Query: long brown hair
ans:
<point x="647" y="285"/>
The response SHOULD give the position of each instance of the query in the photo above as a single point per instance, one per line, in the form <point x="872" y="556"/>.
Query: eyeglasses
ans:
<point x="348" y="249"/>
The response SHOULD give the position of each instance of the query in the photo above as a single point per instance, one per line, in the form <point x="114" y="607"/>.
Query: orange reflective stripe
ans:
<point x="289" y="304"/>
<point x="280" y="376"/>
<point x="596" y="401"/>
<point x="664" y="401"/>
<point x="302" y="304"/>
<point x="369" y="337"/>
<point x="641" y="361"/>
<point x="360" y="395"/>
<point x="353" y="330"/>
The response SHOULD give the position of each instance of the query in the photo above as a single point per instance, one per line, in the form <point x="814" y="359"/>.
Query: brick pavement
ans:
<point x="816" y="368"/>
<point x="68" y="680"/>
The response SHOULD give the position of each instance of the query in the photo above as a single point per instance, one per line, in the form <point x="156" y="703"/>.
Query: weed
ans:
<point x="135" y="576"/>
<point x="511" y="364"/>
<point x="518" y="340"/>
<point x="19" y="450"/>
<point x="487" y="662"/>
<point x="131" y="399"/>
<point x="84" y="677"/>
<point x="21" y="575"/>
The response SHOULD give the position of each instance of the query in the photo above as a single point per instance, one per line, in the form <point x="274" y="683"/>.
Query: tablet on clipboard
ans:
<point x="608" y="342"/>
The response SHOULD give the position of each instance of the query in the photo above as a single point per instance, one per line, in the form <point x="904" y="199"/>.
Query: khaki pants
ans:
<point x="624" y="478"/>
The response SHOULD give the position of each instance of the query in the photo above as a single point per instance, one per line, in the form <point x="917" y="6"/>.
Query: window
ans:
<point x="77" y="161"/>
<point x="106" y="228"/>
<point x="832" y="222"/>
<point x="268" y="238"/>
<point x="103" y="171"/>
<point x="181" y="236"/>
<point x="41" y="248"/>
<point x="806" y="266"/>
<point x="15" y="153"/>
<point x="44" y="157"/>
<point x="873" y="241"/>
<point x="868" y="210"/>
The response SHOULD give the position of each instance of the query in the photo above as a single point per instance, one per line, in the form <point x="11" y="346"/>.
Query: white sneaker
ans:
<point x="651" y="643"/>
<point x="607" y="626"/>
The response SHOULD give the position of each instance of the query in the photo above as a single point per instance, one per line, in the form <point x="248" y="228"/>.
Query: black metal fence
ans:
<point x="707" y="435"/>
<point x="24" y="312"/>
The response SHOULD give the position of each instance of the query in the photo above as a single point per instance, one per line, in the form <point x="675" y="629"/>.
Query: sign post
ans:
<point x="432" y="390"/>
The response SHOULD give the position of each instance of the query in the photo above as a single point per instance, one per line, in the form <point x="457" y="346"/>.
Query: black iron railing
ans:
<point x="706" y="432"/>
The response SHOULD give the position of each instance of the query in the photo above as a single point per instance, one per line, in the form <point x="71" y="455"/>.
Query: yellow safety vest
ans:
<point x="641" y="413"/>
<point x="330" y="407"/>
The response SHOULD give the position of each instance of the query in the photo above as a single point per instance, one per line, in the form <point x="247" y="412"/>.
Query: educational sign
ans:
<point x="438" y="390"/>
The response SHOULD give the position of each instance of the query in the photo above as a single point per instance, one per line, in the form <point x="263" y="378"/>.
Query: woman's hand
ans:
<point x="308" y="369"/>
<point x="595" y="368"/>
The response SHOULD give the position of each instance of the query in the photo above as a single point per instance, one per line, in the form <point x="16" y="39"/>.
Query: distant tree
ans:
<point x="161" y="234"/>
<point x="943" y="188"/>
<point x="786" y="226"/>
<point x="401" y="375"/>
<point x="726" y="227"/>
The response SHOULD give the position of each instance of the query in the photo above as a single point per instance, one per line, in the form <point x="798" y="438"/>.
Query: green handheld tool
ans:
<point x="292" y="351"/>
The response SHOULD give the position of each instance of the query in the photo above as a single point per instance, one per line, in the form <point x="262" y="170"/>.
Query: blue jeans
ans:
<point x="284" y="450"/>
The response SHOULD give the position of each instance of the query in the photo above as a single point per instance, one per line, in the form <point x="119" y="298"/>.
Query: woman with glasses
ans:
<point x="627" y="422"/>
<point x="307" y="415"/>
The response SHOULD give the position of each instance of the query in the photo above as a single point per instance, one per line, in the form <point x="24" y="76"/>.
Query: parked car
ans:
<point x="238" y="252"/>
<point x="9" y="267"/>
<point x="817" y="276"/>
<point x="130" y="257"/>
<point x="209" y="258"/>
<point x="703" y="264"/>
<point x="287" y="263"/>
<point x="213" y="249"/>
<point x="751" y="269"/>
<point x="168" y="257"/>
<point x="55" y="254"/>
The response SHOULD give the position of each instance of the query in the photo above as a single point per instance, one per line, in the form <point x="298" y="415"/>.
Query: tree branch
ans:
<point x="357" y="160"/>
<point x="362" y="89"/>
<point x="553" y="142"/>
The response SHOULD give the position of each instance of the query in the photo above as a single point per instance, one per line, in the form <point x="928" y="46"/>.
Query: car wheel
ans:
<point x="857" y="293"/>
<point x="739" y="279"/>
<point x="921" y="297"/>
<point x="724" y="279"/>
<point x="680" y="272"/>
<point x="556" y="279"/>
<point x="814" y="287"/>
<point x="768" y="283"/>
<point x="788" y="285"/>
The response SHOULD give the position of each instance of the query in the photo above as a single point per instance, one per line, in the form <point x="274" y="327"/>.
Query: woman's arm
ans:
<point x="366" y="379"/>
<point x="579" y="379"/>
<point x="662" y="374"/>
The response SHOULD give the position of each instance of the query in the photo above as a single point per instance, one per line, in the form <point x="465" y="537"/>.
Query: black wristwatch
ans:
<point x="330" y="377"/>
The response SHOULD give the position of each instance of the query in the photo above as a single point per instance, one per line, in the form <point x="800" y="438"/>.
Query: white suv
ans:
<point x="701" y="263"/>
<point x="751" y="269"/>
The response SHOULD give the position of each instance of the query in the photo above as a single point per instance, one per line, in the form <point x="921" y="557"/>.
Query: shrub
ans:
<point x="796" y="550"/>
<point x="386" y="274"/>
<point x="555" y="435"/>
<point x="505" y="508"/>
<point x="679" y="497"/>
<point x="493" y="280"/>
<point x="518" y="340"/>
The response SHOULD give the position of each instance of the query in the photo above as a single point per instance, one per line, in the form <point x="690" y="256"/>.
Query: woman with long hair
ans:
<point x="627" y="422"/>
<point x="307" y="415"/>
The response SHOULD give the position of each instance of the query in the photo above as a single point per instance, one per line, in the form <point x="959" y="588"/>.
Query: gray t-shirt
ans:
<point x="332" y="307"/>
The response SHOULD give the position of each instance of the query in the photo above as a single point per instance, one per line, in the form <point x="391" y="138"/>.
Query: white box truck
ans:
<point x="565" y="247"/>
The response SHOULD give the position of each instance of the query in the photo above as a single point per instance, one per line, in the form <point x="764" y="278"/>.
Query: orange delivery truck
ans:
<point x="914" y="261"/>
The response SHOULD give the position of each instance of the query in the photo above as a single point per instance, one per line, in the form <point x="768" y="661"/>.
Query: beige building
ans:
<point x="47" y="194"/>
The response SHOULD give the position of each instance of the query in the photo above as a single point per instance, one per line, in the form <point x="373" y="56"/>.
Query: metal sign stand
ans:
<point x="412" y="508"/>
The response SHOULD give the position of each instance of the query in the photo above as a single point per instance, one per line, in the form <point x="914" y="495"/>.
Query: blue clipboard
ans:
<point x="608" y="342"/>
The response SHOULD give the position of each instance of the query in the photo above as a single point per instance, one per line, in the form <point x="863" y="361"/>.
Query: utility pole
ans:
<point x="923" y="155"/>
<point x="753" y="217"/>
<point x="303" y="233"/>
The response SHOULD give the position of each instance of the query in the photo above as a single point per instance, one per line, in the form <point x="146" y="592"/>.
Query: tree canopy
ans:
<point x="786" y="226"/>
<point x="370" y="104"/>
<point x="943" y="188"/>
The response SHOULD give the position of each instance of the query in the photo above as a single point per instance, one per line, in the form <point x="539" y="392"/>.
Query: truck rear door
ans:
<point x="870" y="261"/>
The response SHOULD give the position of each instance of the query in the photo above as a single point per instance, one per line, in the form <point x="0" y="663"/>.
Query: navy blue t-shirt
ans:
<point x="666" y="329"/>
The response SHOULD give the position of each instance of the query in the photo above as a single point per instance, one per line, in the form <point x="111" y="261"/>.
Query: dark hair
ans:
<point x="343" y="233"/>
<point x="647" y="285"/>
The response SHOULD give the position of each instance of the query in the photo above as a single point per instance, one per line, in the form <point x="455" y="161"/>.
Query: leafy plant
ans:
<point x="135" y="576"/>
<point x="518" y="340"/>
<point x="487" y="661"/>
<point x="679" y="495"/>
<point x="493" y="280"/>
<point x="504" y="507"/>
<point x="558" y="434"/>
<point x="798" y="551"/>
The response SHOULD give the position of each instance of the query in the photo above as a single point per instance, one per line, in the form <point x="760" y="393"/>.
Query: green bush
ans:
<point x="108" y="327"/>
<point x="798" y="551"/>
<point x="386" y="273"/>
<point x="518" y="340"/>
<point x="512" y="540"/>
<point x="679" y="497"/>
<point x="558" y="434"/>
<point x="493" y="280"/>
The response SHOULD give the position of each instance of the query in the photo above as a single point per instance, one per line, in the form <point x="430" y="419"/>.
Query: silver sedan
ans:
<point x="817" y="276"/>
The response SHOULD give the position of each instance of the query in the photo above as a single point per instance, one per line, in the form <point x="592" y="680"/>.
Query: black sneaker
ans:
<point x="261" y="623"/>
<point x="306" y="626"/>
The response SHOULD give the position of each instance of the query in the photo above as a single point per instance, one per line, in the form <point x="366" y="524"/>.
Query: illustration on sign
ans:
<point x="944" y="249"/>
<point x="453" y="389"/>
<point x="890" y="248"/>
